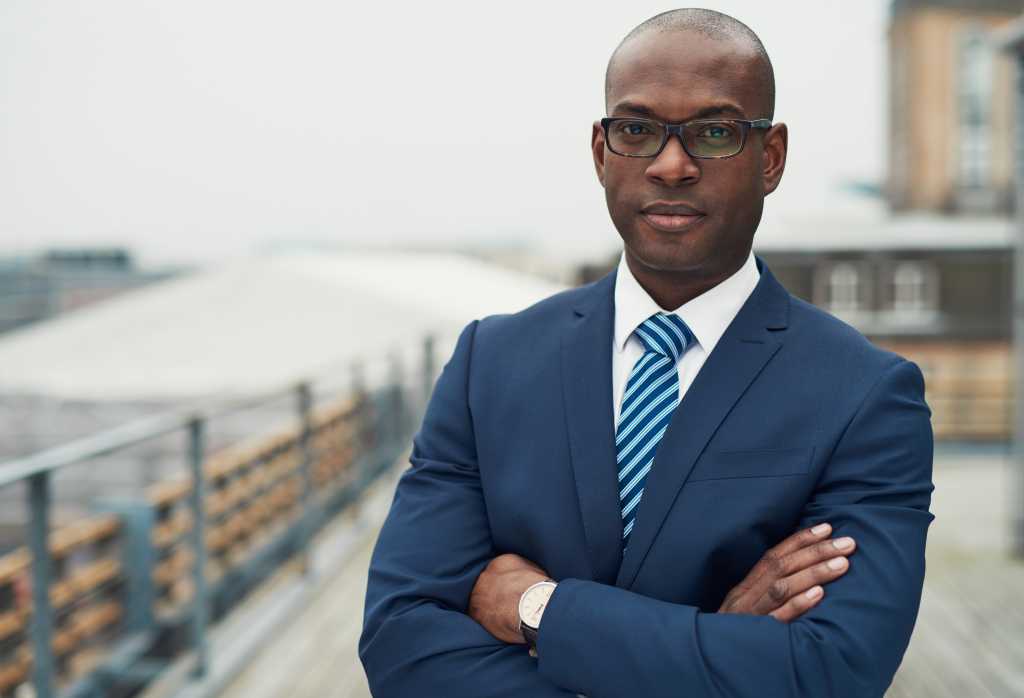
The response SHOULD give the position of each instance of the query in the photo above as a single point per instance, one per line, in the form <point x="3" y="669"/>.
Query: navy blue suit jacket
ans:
<point x="794" y="419"/>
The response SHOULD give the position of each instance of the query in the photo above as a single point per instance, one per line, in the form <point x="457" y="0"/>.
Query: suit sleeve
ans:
<point x="417" y="639"/>
<point x="608" y="642"/>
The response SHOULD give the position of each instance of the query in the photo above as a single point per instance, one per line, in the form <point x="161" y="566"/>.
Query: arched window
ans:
<point x="844" y="288"/>
<point x="909" y="292"/>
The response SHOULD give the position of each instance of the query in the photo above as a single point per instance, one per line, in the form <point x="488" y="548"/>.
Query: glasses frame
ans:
<point x="676" y="129"/>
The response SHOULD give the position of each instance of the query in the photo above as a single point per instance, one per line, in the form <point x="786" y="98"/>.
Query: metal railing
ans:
<point x="187" y="550"/>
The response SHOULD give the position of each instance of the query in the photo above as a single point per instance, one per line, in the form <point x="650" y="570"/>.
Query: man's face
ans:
<point x="678" y="77"/>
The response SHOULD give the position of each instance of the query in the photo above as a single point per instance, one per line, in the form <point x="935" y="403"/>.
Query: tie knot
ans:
<point x="665" y="334"/>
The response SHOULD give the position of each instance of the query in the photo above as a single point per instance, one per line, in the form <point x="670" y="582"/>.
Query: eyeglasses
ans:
<point x="704" y="138"/>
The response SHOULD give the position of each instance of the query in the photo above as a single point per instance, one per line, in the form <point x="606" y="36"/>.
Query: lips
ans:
<point x="671" y="216"/>
<point x="671" y="223"/>
<point x="671" y="209"/>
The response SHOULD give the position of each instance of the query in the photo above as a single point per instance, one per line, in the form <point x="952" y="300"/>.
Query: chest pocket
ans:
<point x="720" y="465"/>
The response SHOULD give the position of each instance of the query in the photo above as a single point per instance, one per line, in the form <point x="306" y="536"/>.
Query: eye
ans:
<point x="716" y="132"/>
<point x="634" y="128"/>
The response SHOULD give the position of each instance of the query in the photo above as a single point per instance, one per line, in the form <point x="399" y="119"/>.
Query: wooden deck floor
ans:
<point x="969" y="637"/>
<point x="968" y="642"/>
<point x="316" y="656"/>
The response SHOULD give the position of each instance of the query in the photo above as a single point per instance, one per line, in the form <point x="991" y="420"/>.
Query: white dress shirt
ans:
<point x="708" y="315"/>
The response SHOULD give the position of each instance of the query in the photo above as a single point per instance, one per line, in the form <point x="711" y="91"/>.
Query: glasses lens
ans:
<point x="713" y="139"/>
<point x="635" y="136"/>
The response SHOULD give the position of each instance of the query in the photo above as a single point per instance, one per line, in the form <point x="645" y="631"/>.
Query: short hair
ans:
<point x="712" y="24"/>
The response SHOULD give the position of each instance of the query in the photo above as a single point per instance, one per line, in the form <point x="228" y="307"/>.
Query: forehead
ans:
<point x="675" y="74"/>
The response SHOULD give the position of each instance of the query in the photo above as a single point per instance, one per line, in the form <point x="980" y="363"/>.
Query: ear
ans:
<point x="776" y="144"/>
<point x="597" y="147"/>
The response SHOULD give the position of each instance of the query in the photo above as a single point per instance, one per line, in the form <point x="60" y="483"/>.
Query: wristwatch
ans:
<point x="531" y="608"/>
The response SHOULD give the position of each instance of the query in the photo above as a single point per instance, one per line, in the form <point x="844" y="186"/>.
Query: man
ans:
<point x="613" y="491"/>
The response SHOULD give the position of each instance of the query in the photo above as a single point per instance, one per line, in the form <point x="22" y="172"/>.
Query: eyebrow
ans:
<point x="712" y="110"/>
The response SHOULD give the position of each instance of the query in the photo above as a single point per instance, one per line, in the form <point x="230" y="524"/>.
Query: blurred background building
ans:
<point x="951" y="107"/>
<point x="41" y="286"/>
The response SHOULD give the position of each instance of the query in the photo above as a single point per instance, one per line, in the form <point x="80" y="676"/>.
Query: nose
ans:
<point x="673" y="166"/>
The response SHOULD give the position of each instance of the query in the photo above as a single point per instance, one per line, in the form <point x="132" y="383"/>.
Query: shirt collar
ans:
<point x="708" y="315"/>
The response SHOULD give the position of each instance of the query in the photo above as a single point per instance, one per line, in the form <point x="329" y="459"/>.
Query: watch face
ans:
<point x="531" y="606"/>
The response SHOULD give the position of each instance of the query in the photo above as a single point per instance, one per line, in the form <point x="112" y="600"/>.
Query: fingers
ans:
<point x="800" y="540"/>
<point x="820" y="563"/>
<point x="771" y="567"/>
<point x="803" y="562"/>
<point x="798" y="605"/>
<point x="819" y="552"/>
<point x="773" y="564"/>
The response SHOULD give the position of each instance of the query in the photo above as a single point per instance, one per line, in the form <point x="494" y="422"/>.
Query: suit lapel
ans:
<point x="744" y="349"/>
<point x="587" y="392"/>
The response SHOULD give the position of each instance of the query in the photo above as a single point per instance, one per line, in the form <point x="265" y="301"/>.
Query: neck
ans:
<point x="671" y="289"/>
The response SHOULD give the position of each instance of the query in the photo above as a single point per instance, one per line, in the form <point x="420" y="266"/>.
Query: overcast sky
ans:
<point x="193" y="130"/>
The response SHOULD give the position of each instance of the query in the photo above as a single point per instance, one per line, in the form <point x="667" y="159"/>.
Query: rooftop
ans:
<point x="1003" y="6"/>
<point x="257" y="324"/>
<point x="862" y="223"/>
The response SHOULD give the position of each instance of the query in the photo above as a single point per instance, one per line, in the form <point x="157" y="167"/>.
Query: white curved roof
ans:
<point x="860" y="223"/>
<point x="258" y="324"/>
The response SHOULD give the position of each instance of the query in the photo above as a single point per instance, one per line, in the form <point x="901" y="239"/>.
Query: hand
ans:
<point x="494" y="601"/>
<point x="777" y="584"/>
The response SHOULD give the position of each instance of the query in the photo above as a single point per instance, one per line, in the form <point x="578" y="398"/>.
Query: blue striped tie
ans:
<point x="650" y="398"/>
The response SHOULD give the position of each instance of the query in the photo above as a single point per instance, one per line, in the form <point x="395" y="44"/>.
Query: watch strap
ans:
<point x="529" y="634"/>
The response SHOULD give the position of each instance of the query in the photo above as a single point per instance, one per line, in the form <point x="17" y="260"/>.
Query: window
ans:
<point x="915" y="288"/>
<point x="914" y="298"/>
<point x="909" y="288"/>
<point x="975" y="70"/>
<point x="844" y="288"/>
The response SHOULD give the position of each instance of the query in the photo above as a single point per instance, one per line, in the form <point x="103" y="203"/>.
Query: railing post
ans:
<point x="429" y="367"/>
<point x="358" y="389"/>
<point x="200" y="600"/>
<point x="305" y="405"/>
<point x="42" y="612"/>
<point x="397" y="405"/>
<point x="1017" y="511"/>
<point x="137" y="559"/>
<point x="358" y="378"/>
